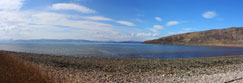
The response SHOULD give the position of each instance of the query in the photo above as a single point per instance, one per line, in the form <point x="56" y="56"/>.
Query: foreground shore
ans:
<point x="74" y="69"/>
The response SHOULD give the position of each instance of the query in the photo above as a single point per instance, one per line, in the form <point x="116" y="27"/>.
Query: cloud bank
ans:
<point x="31" y="24"/>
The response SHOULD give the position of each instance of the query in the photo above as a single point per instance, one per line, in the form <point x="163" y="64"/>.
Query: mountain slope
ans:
<point x="217" y="37"/>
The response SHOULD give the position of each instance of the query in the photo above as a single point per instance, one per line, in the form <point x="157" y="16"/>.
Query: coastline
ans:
<point x="76" y="69"/>
<point x="229" y="46"/>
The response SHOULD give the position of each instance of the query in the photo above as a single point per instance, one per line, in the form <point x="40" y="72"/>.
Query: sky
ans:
<point x="114" y="20"/>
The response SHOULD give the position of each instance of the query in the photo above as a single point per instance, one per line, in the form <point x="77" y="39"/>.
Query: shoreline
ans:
<point x="227" y="46"/>
<point x="79" y="69"/>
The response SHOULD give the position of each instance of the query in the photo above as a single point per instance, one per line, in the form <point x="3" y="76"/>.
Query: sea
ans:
<point x="121" y="50"/>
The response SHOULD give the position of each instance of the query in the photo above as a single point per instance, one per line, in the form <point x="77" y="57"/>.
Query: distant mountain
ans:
<point x="128" y="42"/>
<point x="54" y="40"/>
<point x="64" y="40"/>
<point x="217" y="37"/>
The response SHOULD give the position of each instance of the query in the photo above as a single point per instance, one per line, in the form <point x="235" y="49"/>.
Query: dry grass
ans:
<point x="16" y="70"/>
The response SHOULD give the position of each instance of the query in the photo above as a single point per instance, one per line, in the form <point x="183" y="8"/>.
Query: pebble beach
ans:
<point x="223" y="69"/>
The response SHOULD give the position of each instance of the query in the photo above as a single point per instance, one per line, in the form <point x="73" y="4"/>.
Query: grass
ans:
<point x="16" y="70"/>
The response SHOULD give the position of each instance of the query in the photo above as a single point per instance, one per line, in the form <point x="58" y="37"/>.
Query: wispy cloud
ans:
<point x="158" y="19"/>
<point x="48" y="18"/>
<point x="126" y="23"/>
<point x="30" y="24"/>
<point x="209" y="14"/>
<point x="42" y="25"/>
<point x="10" y="4"/>
<point x="146" y="34"/>
<point x="101" y="18"/>
<point x="71" y="6"/>
<point x="171" y="23"/>
<point x="156" y="28"/>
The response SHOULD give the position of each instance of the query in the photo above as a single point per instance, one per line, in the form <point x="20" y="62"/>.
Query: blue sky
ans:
<point x="116" y="20"/>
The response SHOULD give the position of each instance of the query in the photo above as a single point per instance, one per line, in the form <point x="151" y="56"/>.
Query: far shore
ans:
<point x="76" y="69"/>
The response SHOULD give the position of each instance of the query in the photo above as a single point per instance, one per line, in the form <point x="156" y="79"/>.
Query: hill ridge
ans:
<point x="217" y="37"/>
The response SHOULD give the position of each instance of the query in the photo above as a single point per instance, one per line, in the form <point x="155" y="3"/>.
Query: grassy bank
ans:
<point x="15" y="70"/>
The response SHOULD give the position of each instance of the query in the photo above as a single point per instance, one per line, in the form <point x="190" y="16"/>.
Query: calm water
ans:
<point x="121" y="50"/>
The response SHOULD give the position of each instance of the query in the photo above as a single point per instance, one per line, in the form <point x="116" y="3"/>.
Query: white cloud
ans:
<point x="141" y="36"/>
<point x="158" y="19"/>
<point x="209" y="14"/>
<point x="49" y="25"/>
<point x="13" y="23"/>
<point x="71" y="6"/>
<point x="11" y="4"/>
<point x="171" y="23"/>
<point x="98" y="18"/>
<point x="126" y="23"/>
<point x="146" y="34"/>
<point x="28" y="24"/>
<point x="38" y="25"/>
<point x="156" y="28"/>
<point x="53" y="19"/>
